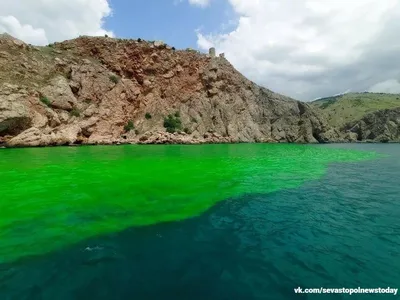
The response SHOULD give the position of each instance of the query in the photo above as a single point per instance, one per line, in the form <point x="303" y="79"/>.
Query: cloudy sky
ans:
<point x="302" y="48"/>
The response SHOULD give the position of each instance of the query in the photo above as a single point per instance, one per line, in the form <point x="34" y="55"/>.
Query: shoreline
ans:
<point x="4" y="146"/>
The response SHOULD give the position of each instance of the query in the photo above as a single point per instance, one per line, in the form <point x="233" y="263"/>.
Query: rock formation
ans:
<point x="369" y="117"/>
<point x="380" y="126"/>
<point x="100" y="90"/>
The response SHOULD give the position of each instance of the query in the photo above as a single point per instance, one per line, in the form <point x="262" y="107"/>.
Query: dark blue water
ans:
<point x="340" y="231"/>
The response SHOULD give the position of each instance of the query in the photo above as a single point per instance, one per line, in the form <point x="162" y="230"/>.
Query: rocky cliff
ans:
<point x="370" y="117"/>
<point x="100" y="90"/>
<point x="380" y="126"/>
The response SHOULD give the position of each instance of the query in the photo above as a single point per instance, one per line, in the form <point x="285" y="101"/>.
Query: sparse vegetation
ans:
<point x="87" y="101"/>
<point x="193" y="120"/>
<point x="173" y="48"/>
<point x="114" y="79"/>
<point x="177" y="114"/>
<point x="136" y="131"/>
<point x="357" y="102"/>
<point x="45" y="100"/>
<point x="187" y="130"/>
<point x="139" y="40"/>
<point x="172" y="123"/>
<point x="327" y="103"/>
<point x="129" y="126"/>
<point x="342" y="109"/>
<point x="75" y="112"/>
<point x="147" y="116"/>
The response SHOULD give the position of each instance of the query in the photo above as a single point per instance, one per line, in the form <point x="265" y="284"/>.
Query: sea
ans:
<point x="228" y="221"/>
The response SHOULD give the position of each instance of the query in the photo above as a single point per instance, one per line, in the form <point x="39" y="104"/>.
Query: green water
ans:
<point x="55" y="197"/>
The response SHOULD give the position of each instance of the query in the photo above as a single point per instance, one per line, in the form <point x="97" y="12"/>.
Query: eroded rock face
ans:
<point x="59" y="93"/>
<point x="33" y="136"/>
<point x="95" y="86"/>
<point x="379" y="126"/>
<point x="14" y="114"/>
<point x="30" y="137"/>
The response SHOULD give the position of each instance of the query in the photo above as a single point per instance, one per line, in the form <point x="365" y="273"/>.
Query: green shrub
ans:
<point x="187" y="130"/>
<point x="75" y="112"/>
<point x="136" y="131"/>
<point x="177" y="114"/>
<point x="45" y="100"/>
<point x="114" y="79"/>
<point x="172" y="123"/>
<point x="147" y="116"/>
<point x="130" y="126"/>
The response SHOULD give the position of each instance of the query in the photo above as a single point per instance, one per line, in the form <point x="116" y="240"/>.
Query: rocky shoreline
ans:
<point x="179" y="139"/>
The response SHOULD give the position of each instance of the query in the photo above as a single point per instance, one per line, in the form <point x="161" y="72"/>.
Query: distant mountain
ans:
<point x="372" y="116"/>
<point x="345" y="108"/>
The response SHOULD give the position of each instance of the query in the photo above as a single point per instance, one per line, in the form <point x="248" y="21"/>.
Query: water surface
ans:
<point x="197" y="222"/>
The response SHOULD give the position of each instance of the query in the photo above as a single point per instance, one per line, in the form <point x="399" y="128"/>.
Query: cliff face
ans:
<point x="104" y="91"/>
<point x="380" y="126"/>
<point x="372" y="117"/>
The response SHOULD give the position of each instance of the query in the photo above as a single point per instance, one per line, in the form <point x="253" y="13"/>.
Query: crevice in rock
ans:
<point x="14" y="126"/>
<point x="301" y="107"/>
<point x="316" y="135"/>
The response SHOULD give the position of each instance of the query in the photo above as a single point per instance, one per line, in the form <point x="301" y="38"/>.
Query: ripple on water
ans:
<point x="333" y="231"/>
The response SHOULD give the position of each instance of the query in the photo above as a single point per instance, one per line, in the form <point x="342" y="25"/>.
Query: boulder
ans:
<point x="31" y="137"/>
<point x="59" y="93"/>
<point x="159" y="44"/>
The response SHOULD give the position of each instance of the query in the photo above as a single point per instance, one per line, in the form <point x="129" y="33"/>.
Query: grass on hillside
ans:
<point x="342" y="109"/>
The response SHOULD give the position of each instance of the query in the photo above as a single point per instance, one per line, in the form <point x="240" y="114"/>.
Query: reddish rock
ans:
<point x="96" y="85"/>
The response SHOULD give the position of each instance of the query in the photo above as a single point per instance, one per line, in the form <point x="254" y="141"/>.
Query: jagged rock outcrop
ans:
<point x="14" y="114"/>
<point x="60" y="93"/>
<point x="86" y="91"/>
<point x="379" y="126"/>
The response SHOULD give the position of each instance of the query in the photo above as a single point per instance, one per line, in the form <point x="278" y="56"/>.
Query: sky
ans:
<point x="305" y="49"/>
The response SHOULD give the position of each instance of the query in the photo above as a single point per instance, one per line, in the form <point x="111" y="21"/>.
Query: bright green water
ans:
<point x="54" y="197"/>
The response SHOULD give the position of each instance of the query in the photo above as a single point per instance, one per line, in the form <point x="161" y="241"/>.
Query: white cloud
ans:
<point x="11" y="25"/>
<point x="391" y="86"/>
<point x="203" y="42"/>
<point x="201" y="3"/>
<point x="311" y="48"/>
<point x="42" y="21"/>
